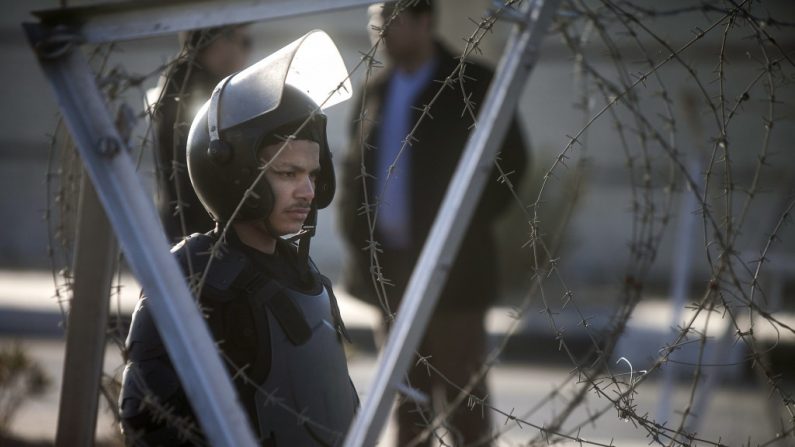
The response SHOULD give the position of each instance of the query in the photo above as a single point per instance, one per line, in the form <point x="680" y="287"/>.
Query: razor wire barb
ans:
<point x="645" y="138"/>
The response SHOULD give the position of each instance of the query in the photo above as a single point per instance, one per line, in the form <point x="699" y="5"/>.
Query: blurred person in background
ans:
<point x="455" y="341"/>
<point x="207" y="56"/>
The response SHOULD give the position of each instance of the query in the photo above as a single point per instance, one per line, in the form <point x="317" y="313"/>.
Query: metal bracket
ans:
<point x="52" y="43"/>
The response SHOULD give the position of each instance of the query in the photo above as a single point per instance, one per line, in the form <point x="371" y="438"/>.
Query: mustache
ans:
<point x="299" y="207"/>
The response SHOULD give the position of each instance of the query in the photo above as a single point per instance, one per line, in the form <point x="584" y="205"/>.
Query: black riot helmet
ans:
<point x="278" y="97"/>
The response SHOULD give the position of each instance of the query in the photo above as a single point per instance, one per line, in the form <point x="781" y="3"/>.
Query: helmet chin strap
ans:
<point x="304" y="238"/>
<point x="306" y="233"/>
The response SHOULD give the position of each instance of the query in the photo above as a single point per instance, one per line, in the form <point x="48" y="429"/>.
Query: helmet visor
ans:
<point x="312" y="64"/>
<point x="317" y="69"/>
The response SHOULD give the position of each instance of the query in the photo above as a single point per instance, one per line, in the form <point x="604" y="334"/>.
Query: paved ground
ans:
<point x="737" y="412"/>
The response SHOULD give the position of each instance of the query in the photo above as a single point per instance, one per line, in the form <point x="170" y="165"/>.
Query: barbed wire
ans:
<point x="733" y="291"/>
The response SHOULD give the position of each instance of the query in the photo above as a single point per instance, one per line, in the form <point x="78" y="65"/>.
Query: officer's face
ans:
<point x="291" y="175"/>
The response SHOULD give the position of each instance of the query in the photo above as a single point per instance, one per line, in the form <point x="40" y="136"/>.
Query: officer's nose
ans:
<point x="306" y="190"/>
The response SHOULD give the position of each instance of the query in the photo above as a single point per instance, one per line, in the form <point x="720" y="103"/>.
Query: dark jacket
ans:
<point x="440" y="141"/>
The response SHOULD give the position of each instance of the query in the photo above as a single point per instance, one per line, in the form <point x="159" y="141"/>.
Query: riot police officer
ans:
<point x="259" y="161"/>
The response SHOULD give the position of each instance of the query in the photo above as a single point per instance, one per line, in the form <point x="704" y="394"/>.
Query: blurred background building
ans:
<point x="549" y="107"/>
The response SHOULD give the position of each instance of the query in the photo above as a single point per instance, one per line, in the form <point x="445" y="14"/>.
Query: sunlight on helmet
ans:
<point x="318" y="70"/>
<point x="311" y="64"/>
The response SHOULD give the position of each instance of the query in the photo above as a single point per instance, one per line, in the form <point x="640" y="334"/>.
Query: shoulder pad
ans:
<point x="141" y="380"/>
<point x="193" y="254"/>
<point x="196" y="246"/>
<point x="143" y="340"/>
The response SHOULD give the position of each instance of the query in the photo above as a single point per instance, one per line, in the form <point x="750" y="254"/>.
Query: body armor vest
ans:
<point x="306" y="398"/>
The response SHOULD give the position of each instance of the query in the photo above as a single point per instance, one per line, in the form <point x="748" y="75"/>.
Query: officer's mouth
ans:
<point x="298" y="213"/>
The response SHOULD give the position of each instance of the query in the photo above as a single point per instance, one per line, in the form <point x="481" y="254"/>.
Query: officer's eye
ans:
<point x="285" y="174"/>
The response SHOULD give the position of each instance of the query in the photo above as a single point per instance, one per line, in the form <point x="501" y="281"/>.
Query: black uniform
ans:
<point x="271" y="318"/>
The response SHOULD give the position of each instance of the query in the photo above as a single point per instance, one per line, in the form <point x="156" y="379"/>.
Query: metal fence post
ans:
<point x="443" y="241"/>
<point x="88" y="318"/>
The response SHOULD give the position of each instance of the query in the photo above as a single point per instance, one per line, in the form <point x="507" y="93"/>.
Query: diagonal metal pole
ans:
<point x="88" y="317"/>
<point x="681" y="274"/>
<point x="137" y="227"/>
<point x="442" y="243"/>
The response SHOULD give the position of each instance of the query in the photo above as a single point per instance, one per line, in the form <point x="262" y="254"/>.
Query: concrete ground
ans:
<point x="739" y="412"/>
<point x="735" y="414"/>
